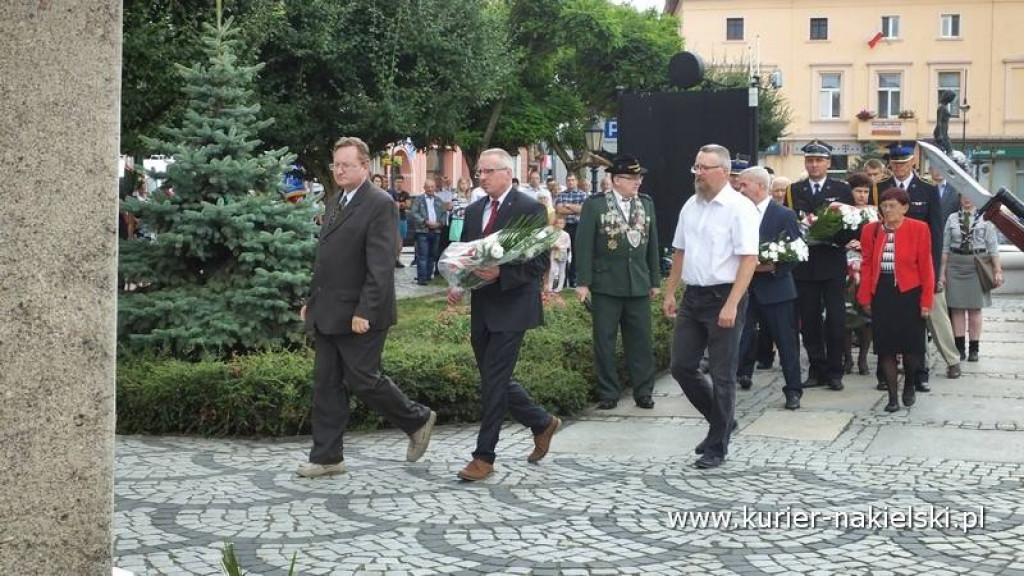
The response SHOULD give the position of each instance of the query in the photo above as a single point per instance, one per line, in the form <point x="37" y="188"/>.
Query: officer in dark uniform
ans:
<point x="926" y="206"/>
<point x="821" y="281"/>
<point x="616" y="251"/>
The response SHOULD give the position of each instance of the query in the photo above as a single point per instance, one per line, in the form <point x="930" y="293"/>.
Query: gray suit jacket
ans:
<point x="354" y="274"/>
<point x="950" y="202"/>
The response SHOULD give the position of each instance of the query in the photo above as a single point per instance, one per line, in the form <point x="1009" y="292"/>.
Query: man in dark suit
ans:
<point x="617" y="272"/>
<point x="926" y="206"/>
<point x="500" y="314"/>
<point x="772" y="290"/>
<point x="821" y="281"/>
<point x="350" y="307"/>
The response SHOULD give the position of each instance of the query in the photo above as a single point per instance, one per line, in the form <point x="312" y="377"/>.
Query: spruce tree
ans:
<point x="230" y="260"/>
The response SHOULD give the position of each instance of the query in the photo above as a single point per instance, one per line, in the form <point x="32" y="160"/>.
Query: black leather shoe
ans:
<point x="881" y="386"/>
<point x="399" y="264"/>
<point x="835" y="384"/>
<point x="953" y="372"/>
<point x="764" y="365"/>
<point x="607" y="405"/>
<point x="792" y="400"/>
<point x="709" y="461"/>
<point x="922" y="387"/>
<point x="645" y="402"/>
<point x="813" y="382"/>
<point x="892" y="407"/>
<point x="699" y="449"/>
<point x="909" y="395"/>
<point x="745" y="382"/>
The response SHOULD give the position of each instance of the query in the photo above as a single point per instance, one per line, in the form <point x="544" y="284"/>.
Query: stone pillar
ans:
<point x="60" y="64"/>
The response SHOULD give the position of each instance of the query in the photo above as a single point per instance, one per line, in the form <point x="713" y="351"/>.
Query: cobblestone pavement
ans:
<point x="611" y="495"/>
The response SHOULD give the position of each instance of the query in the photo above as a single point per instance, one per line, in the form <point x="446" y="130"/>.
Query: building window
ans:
<point x="890" y="26"/>
<point x="819" y="28"/>
<point x="829" y="95"/>
<point x="950" y="26"/>
<point x="950" y="81"/>
<point x="889" y="84"/>
<point x="734" y="28"/>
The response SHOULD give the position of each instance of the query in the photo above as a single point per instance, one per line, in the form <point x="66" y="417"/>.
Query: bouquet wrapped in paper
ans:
<point x="523" y="240"/>
<point x="783" y="250"/>
<point x="822" y="226"/>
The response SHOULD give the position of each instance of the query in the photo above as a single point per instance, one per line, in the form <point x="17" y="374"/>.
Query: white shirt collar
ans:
<point x="906" y="183"/>
<point x="820" y="183"/>
<point x="762" y="206"/>
<point x="501" y="199"/>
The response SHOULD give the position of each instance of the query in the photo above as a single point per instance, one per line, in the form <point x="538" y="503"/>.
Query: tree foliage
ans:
<point x="382" y="71"/>
<point x="572" y="56"/>
<point x="157" y="35"/>
<point x="230" y="258"/>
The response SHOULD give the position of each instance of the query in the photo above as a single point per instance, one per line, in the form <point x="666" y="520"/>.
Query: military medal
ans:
<point x="612" y="244"/>
<point x="634" y="237"/>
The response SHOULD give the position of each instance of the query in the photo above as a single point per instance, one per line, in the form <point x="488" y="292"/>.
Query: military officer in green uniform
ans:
<point x="617" y="272"/>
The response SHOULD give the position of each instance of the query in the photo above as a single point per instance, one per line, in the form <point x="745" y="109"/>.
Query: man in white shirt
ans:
<point x="716" y="243"/>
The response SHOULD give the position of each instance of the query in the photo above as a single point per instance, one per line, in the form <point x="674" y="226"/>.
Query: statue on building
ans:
<point x="942" y="116"/>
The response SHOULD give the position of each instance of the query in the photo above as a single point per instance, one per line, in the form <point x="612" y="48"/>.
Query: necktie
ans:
<point x="817" y="188"/>
<point x="629" y="209"/>
<point x="901" y="185"/>
<point x="338" y="207"/>
<point x="965" y="231"/>
<point x="492" y="219"/>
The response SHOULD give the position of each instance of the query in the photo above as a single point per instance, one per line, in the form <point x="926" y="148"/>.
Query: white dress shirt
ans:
<point x="762" y="207"/>
<point x="623" y="203"/>
<point x="487" y="208"/>
<point x="714" y="235"/>
<point x="431" y="213"/>
<point x="905" y="183"/>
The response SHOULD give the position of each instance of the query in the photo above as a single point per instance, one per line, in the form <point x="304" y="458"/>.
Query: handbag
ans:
<point x="455" y="230"/>
<point x="986" y="272"/>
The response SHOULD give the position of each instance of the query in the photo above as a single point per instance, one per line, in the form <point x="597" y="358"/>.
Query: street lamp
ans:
<point x="595" y="139"/>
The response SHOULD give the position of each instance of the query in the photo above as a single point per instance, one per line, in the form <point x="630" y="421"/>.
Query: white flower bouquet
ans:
<point x="782" y="251"/>
<point x="822" y="226"/>
<point x="525" y="239"/>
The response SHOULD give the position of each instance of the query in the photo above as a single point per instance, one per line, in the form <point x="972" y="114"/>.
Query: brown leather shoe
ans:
<point x="542" y="441"/>
<point x="476" y="470"/>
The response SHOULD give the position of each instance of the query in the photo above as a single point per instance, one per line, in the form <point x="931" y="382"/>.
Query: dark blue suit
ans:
<point x="773" y="297"/>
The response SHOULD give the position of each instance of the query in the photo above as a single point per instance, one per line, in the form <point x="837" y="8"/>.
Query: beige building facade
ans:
<point x="872" y="72"/>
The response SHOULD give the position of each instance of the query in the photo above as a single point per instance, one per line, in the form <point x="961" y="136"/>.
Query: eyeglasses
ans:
<point x="631" y="177"/>
<point x="702" y="168"/>
<point x="488" y="171"/>
<point x="342" y="166"/>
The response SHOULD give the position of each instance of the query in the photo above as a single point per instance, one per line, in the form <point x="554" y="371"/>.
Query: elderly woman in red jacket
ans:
<point x="897" y="288"/>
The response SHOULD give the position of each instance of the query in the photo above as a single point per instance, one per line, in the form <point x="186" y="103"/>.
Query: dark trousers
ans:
<point x="350" y="364"/>
<point x="427" y="244"/>
<point x="570" y="269"/>
<point x="779" y="321"/>
<point x="496" y="355"/>
<point x="633" y="315"/>
<point x="696" y="329"/>
<point x="825" y="341"/>
<point x="765" y="342"/>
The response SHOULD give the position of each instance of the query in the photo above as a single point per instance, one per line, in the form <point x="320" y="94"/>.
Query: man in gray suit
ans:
<point x="949" y="198"/>
<point x="350" y="307"/>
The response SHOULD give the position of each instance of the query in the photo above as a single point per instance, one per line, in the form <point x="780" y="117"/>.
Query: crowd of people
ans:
<point x="920" y="259"/>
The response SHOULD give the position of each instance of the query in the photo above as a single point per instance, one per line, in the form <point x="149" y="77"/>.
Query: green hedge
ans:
<point x="427" y="354"/>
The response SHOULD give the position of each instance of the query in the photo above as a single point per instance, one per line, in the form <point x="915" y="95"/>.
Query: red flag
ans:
<point x="874" y="41"/>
